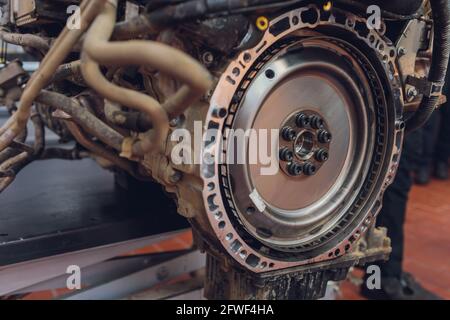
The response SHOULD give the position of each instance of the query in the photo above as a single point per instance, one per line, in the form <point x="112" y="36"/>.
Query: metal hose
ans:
<point x="13" y="165"/>
<point x="131" y="120"/>
<point x="130" y="148"/>
<point x="82" y="117"/>
<point x="26" y="40"/>
<point x="99" y="150"/>
<point x="164" y="14"/>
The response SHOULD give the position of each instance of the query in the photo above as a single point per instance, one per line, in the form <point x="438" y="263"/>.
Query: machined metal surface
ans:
<point x="304" y="142"/>
<point x="296" y="208"/>
<point x="133" y="283"/>
<point x="353" y="117"/>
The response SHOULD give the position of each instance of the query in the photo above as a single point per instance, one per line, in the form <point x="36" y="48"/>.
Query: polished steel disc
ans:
<point x="319" y="79"/>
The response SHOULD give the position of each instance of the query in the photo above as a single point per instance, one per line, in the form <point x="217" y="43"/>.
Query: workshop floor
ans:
<point x="427" y="243"/>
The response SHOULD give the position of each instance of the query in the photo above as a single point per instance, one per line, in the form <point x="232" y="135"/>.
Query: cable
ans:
<point x="439" y="65"/>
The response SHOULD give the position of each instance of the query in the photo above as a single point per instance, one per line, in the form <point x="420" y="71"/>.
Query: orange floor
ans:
<point x="427" y="252"/>
<point x="427" y="243"/>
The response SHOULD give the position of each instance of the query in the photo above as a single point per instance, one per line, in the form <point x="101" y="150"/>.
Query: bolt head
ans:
<point x="286" y="154"/>
<point x="324" y="136"/>
<point x="322" y="155"/>
<point x="288" y="134"/>
<point x="295" y="169"/>
<point x="302" y="120"/>
<point x="316" y="122"/>
<point x="208" y="58"/>
<point x="412" y="92"/>
<point x="309" y="169"/>
<point x="402" y="51"/>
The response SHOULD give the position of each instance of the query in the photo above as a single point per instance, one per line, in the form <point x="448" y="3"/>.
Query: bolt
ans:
<point x="302" y="120"/>
<point x="324" y="136"/>
<point x="208" y="58"/>
<point x="175" y="122"/>
<point x="262" y="23"/>
<point x="322" y="155"/>
<point x="316" y="122"/>
<point x="220" y="112"/>
<point x="309" y="169"/>
<point x="236" y="98"/>
<point x="176" y="177"/>
<point x="286" y="154"/>
<point x="402" y="51"/>
<point x="411" y="93"/>
<point x="295" y="169"/>
<point x="288" y="134"/>
<point x="22" y="80"/>
<point x="162" y="273"/>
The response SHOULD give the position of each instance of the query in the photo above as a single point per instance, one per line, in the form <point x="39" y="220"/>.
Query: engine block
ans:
<point x="276" y="125"/>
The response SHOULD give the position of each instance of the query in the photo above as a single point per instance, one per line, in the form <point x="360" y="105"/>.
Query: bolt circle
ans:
<point x="304" y="144"/>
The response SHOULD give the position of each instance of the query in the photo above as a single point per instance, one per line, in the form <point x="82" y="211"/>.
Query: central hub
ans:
<point x="304" y="143"/>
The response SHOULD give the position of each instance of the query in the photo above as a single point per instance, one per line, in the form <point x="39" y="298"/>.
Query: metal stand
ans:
<point x="53" y="218"/>
<point x="103" y="275"/>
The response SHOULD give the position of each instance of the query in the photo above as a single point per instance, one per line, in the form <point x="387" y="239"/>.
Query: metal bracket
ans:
<point x="427" y="88"/>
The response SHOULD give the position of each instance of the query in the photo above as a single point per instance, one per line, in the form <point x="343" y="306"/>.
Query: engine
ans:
<point x="276" y="125"/>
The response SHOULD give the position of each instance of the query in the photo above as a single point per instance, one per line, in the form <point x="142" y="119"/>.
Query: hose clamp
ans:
<point x="127" y="148"/>
<point x="425" y="87"/>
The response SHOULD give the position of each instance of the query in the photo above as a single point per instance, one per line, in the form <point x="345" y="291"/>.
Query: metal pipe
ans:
<point x="131" y="147"/>
<point x="64" y="154"/>
<point x="11" y="152"/>
<point x="55" y="57"/>
<point x="26" y="40"/>
<point x="98" y="49"/>
<point x="12" y="166"/>
<point x="10" y="174"/>
<point x="132" y="120"/>
<point x="98" y="149"/>
<point x="69" y="71"/>
<point x="87" y="120"/>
